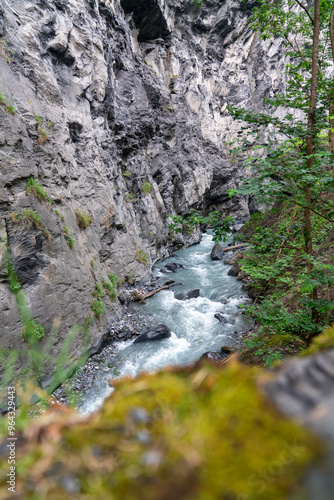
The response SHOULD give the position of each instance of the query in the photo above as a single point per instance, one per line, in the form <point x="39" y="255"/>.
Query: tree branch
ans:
<point x="305" y="9"/>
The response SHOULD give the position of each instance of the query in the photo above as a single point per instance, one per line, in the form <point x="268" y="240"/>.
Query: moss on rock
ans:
<point x="203" y="434"/>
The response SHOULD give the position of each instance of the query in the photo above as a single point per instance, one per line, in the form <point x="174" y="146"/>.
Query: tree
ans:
<point x="296" y="161"/>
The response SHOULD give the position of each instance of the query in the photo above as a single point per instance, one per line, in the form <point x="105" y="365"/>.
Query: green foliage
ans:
<point x="198" y="3"/>
<point x="68" y="238"/>
<point x="5" y="52"/>
<point x="141" y="256"/>
<point x="31" y="218"/>
<point x="126" y="173"/>
<point x="130" y="197"/>
<point x="42" y="134"/>
<point x="32" y="331"/>
<point x="221" y="226"/>
<point x="113" y="279"/>
<point x="110" y="287"/>
<point x="274" y="317"/>
<point x="9" y="107"/>
<point x="13" y="280"/>
<point x="34" y="187"/>
<point x="62" y="218"/>
<point x="280" y="256"/>
<point x="98" y="292"/>
<point x="146" y="187"/>
<point x="275" y="261"/>
<point x="98" y="307"/>
<point x="83" y="219"/>
<point x="35" y="356"/>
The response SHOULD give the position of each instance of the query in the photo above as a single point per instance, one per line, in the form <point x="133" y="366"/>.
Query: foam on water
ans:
<point x="194" y="328"/>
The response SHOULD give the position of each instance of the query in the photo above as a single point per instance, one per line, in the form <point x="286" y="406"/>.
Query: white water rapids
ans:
<point x="194" y="328"/>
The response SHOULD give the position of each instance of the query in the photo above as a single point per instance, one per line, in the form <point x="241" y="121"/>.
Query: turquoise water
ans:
<point x="194" y="328"/>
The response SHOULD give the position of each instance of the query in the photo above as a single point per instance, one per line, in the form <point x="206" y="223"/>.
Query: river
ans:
<point x="194" y="328"/>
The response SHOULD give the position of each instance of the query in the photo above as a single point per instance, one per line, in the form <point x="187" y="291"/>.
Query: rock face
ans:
<point x="157" y="333"/>
<point x="119" y="109"/>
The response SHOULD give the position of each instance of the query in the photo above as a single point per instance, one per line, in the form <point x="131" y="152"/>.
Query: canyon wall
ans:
<point x="119" y="109"/>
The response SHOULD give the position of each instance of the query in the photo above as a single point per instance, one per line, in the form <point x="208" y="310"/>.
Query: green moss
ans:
<point x="210" y="435"/>
<point x="322" y="341"/>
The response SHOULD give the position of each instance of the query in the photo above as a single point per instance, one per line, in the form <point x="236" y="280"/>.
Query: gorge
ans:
<point x="119" y="140"/>
<point x="118" y="110"/>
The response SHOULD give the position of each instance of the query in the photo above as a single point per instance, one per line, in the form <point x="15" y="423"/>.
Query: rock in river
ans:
<point x="220" y="317"/>
<point x="191" y="294"/>
<point x="155" y="333"/>
<point x="217" y="252"/>
<point x="172" y="267"/>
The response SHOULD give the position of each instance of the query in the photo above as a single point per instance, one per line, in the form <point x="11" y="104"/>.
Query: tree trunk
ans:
<point x="331" y="96"/>
<point x="310" y="138"/>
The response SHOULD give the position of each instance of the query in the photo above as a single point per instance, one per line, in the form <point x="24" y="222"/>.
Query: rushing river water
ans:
<point x="194" y="328"/>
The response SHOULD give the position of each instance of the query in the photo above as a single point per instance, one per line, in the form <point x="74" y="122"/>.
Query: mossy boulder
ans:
<point x="200" y="434"/>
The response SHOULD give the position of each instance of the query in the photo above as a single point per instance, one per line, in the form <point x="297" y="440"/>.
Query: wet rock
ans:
<point x="171" y="267"/>
<point x="155" y="333"/>
<point x="175" y="284"/>
<point x="234" y="270"/>
<point x="227" y="350"/>
<point x="191" y="294"/>
<point x="221" y="318"/>
<point x="213" y="356"/>
<point x="217" y="252"/>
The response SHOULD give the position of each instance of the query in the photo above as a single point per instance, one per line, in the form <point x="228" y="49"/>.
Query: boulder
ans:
<point x="191" y="294"/>
<point x="171" y="267"/>
<point x="234" y="270"/>
<point x="217" y="252"/>
<point x="220" y="318"/>
<point x="155" y="333"/>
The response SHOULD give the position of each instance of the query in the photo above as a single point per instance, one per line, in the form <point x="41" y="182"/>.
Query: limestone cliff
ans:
<point x="118" y="108"/>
